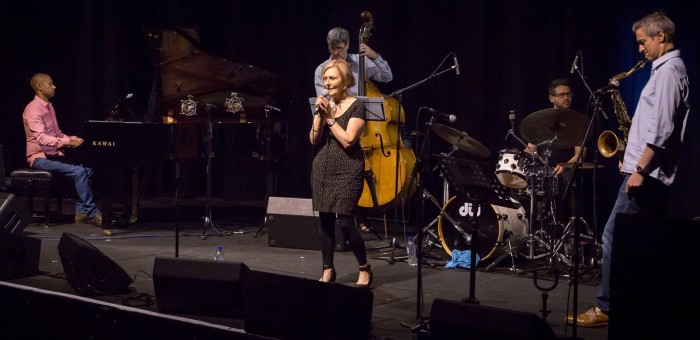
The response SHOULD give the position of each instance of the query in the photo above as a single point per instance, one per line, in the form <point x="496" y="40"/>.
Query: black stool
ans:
<point x="31" y="182"/>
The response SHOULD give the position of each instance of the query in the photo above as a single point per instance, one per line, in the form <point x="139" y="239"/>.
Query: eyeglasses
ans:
<point x="337" y="48"/>
<point x="563" y="94"/>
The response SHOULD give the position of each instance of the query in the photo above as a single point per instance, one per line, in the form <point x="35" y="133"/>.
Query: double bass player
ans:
<point x="376" y="69"/>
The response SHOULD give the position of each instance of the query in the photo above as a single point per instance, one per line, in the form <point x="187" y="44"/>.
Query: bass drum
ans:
<point x="495" y="222"/>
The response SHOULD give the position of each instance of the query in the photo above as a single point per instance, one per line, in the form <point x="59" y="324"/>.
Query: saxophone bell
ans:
<point x="610" y="145"/>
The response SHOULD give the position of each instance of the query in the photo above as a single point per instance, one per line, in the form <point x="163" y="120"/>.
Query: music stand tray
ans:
<point x="469" y="178"/>
<point x="374" y="107"/>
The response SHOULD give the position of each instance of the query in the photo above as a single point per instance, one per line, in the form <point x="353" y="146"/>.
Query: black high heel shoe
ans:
<point x="368" y="269"/>
<point x="332" y="275"/>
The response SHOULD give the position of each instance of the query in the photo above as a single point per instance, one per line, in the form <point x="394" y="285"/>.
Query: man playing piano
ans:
<point x="45" y="142"/>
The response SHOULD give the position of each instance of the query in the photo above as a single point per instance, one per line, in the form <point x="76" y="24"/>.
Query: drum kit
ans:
<point x="505" y="227"/>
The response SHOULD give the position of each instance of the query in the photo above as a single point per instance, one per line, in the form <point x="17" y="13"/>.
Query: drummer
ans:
<point x="560" y="96"/>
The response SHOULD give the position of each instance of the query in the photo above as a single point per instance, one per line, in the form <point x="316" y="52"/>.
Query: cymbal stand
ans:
<point x="435" y="241"/>
<point x="208" y="222"/>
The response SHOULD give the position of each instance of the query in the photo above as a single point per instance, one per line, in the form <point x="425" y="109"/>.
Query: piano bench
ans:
<point x="26" y="182"/>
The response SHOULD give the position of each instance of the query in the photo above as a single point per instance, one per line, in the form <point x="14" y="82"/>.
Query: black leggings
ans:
<point x="326" y="232"/>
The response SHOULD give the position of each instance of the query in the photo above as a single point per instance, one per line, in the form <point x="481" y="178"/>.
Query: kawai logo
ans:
<point x="104" y="143"/>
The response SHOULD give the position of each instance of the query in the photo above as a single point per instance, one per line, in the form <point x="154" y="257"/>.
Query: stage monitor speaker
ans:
<point x="651" y="269"/>
<point x="19" y="256"/>
<point x="14" y="216"/>
<point x="461" y="320"/>
<point x="200" y="287"/>
<point x="292" y="223"/>
<point x="286" y="307"/>
<point x="88" y="270"/>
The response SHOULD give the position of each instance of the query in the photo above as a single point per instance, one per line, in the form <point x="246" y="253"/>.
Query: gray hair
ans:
<point x="655" y="22"/>
<point x="337" y="36"/>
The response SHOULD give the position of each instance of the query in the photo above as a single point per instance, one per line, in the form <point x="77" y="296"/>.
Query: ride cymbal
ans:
<point x="461" y="140"/>
<point x="564" y="128"/>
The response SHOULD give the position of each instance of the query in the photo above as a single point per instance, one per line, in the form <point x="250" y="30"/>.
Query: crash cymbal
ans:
<point x="584" y="165"/>
<point x="565" y="127"/>
<point x="461" y="140"/>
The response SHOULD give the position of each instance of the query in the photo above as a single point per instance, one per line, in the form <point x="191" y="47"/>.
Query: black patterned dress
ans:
<point x="336" y="175"/>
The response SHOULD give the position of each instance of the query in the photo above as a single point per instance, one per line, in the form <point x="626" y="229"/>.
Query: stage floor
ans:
<point x="395" y="308"/>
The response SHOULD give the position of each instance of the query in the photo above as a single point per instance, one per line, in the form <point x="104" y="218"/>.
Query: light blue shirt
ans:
<point x="660" y="118"/>
<point x="377" y="70"/>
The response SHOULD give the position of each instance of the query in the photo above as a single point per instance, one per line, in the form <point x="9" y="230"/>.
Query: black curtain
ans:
<point x="508" y="52"/>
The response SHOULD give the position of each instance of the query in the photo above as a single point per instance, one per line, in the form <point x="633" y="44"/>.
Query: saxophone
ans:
<point x="609" y="144"/>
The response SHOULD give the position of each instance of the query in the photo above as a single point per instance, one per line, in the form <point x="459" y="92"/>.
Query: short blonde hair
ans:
<point x="344" y="70"/>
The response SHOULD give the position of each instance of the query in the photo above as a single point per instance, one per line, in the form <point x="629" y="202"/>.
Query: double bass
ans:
<point x="386" y="176"/>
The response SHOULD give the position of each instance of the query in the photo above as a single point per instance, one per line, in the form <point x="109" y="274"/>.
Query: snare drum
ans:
<point x="496" y="225"/>
<point x="511" y="166"/>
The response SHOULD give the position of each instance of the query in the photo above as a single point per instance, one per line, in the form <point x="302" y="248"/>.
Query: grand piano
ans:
<point x="206" y="112"/>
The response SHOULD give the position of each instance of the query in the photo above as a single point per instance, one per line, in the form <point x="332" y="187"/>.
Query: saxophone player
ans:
<point x="654" y="143"/>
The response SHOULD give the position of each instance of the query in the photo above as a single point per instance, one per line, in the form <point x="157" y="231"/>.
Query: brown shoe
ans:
<point x="593" y="317"/>
<point x="80" y="217"/>
<point x="96" y="220"/>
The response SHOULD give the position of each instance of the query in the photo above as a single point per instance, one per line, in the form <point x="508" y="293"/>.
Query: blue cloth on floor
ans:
<point x="461" y="259"/>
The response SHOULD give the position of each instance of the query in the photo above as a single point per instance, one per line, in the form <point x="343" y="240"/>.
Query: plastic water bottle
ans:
<point x="219" y="255"/>
<point x="411" y="251"/>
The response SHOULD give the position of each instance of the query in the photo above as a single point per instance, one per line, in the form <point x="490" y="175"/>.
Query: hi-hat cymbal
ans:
<point x="563" y="127"/>
<point x="584" y="165"/>
<point x="461" y="140"/>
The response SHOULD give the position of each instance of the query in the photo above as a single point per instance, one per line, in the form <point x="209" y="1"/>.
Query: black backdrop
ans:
<point x="508" y="51"/>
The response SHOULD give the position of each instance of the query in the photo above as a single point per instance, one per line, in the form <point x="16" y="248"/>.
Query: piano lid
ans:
<point x="187" y="71"/>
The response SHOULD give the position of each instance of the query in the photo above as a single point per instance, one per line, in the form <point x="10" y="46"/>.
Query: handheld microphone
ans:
<point x="325" y="94"/>
<point x="454" y="57"/>
<point x="611" y="85"/>
<point x="444" y="116"/>
<point x="270" y="107"/>
<point x="573" y="65"/>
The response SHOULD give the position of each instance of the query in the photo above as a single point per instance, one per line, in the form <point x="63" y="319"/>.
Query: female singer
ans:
<point x="338" y="166"/>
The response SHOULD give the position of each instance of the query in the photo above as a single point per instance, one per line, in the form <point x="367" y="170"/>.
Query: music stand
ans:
<point x="473" y="180"/>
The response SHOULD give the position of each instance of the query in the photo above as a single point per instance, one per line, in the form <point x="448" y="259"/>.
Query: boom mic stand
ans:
<point x="597" y="109"/>
<point x="399" y="95"/>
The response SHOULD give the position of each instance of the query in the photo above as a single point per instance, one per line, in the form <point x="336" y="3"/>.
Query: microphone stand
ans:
<point x="420" y="322"/>
<point x="575" y="176"/>
<point x="207" y="218"/>
<point x="398" y="94"/>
